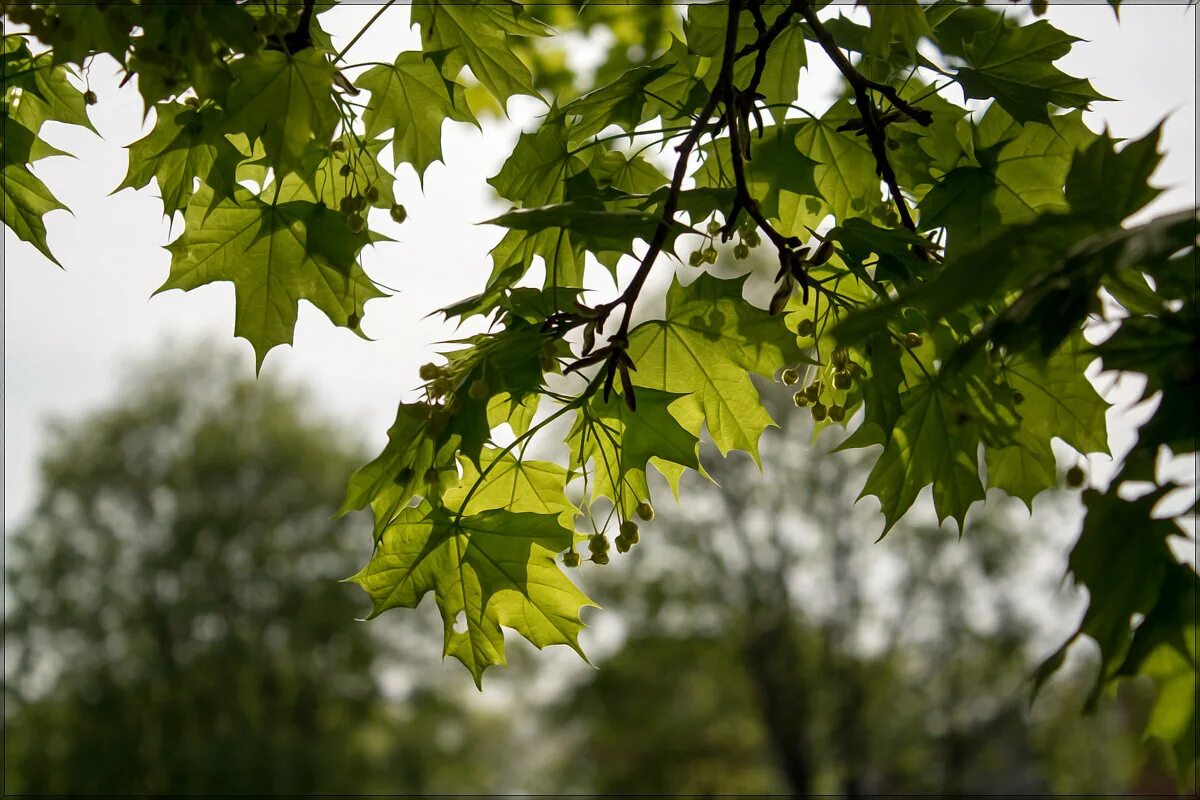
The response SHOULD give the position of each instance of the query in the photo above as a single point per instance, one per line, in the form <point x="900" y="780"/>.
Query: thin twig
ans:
<point x="862" y="86"/>
<point x="364" y="29"/>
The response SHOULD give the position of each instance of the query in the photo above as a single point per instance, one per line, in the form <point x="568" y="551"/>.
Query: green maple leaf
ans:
<point x="47" y="94"/>
<point x="397" y="474"/>
<point x="275" y="255"/>
<point x="780" y="82"/>
<point x="476" y="34"/>
<point x="845" y="172"/>
<point x="26" y="201"/>
<point x="629" y="175"/>
<point x="1018" y="173"/>
<point x="535" y="175"/>
<point x="892" y="248"/>
<point x="883" y="406"/>
<point x="592" y="226"/>
<point x="935" y="441"/>
<point x="1122" y="557"/>
<point x="1058" y="401"/>
<point x="517" y="414"/>
<point x="705" y="26"/>
<point x="618" y="103"/>
<point x="507" y="362"/>
<point x="678" y="92"/>
<point x="185" y="144"/>
<point x="776" y="167"/>
<point x="1108" y="186"/>
<point x="1164" y="650"/>
<point x="1023" y="469"/>
<point x="320" y="179"/>
<point x="1015" y="65"/>
<point x="412" y="99"/>
<point x="902" y="21"/>
<point x="707" y="346"/>
<point x="620" y="443"/>
<point x="492" y="569"/>
<point x="501" y="481"/>
<point x="94" y="32"/>
<point x="286" y="100"/>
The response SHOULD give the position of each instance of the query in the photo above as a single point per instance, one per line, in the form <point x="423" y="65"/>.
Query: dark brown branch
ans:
<point x="628" y="298"/>
<point x="862" y="87"/>
<point x="301" y="38"/>
<point x="765" y="37"/>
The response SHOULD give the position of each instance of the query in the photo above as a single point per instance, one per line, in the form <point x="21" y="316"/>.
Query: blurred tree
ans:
<point x="773" y="648"/>
<point x="175" y="618"/>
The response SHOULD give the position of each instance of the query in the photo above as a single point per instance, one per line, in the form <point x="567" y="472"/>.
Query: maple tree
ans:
<point x="944" y="232"/>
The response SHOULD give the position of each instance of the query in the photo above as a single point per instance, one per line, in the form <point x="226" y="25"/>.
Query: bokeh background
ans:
<point x="173" y="617"/>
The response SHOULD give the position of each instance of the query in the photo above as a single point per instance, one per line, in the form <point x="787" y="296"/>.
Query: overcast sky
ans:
<point x="67" y="332"/>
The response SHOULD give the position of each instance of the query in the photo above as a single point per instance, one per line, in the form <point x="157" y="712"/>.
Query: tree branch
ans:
<point x="628" y="298"/>
<point x="862" y="86"/>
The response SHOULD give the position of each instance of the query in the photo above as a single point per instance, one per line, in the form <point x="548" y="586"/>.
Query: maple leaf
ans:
<point x="777" y="167"/>
<point x="620" y="443"/>
<point x="1015" y="65"/>
<point x="1017" y="172"/>
<point x="845" y="169"/>
<point x="1057" y="401"/>
<point x="533" y="176"/>
<point x="786" y="57"/>
<point x="285" y="100"/>
<point x="902" y="21"/>
<point x="275" y="255"/>
<point x="504" y="481"/>
<point x="935" y="441"/>
<point x="412" y="99"/>
<point x="489" y="569"/>
<point x="619" y="103"/>
<point x="26" y="200"/>
<point x="397" y="474"/>
<point x="476" y="34"/>
<point x="350" y="169"/>
<point x="46" y="94"/>
<point x="185" y="144"/>
<point x="1107" y="185"/>
<point x="590" y="225"/>
<point x="706" y="347"/>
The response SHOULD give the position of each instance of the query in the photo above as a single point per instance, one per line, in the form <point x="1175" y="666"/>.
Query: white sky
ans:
<point x="67" y="332"/>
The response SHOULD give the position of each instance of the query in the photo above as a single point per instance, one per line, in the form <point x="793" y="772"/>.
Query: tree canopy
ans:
<point x="939" y="237"/>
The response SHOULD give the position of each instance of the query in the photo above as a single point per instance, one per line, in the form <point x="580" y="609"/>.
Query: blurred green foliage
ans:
<point x="175" y="624"/>
<point x="774" y="647"/>
<point x="175" y="620"/>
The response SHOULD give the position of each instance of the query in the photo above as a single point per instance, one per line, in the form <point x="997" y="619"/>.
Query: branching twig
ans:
<point x="862" y="86"/>
<point x="341" y="53"/>
<point x="620" y="340"/>
<point x="769" y="35"/>
<point x="740" y="104"/>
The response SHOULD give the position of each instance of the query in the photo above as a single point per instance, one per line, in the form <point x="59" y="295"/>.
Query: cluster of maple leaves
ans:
<point x="963" y="247"/>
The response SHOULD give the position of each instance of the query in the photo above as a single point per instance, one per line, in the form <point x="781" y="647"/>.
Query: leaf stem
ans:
<point x="577" y="402"/>
<point x="341" y="53"/>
